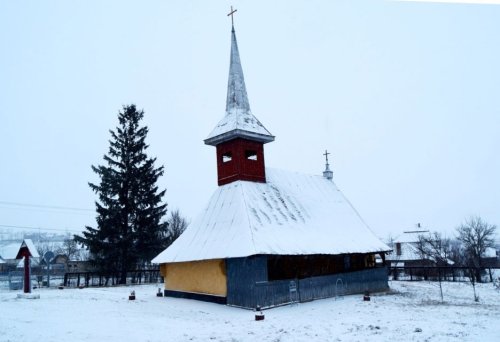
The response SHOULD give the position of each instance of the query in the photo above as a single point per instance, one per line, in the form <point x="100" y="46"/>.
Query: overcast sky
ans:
<point x="405" y="95"/>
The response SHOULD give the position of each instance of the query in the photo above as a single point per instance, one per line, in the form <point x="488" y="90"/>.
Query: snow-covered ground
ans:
<point x="410" y="312"/>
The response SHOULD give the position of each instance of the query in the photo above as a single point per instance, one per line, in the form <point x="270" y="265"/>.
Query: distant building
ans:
<point x="2" y="265"/>
<point x="491" y="258"/>
<point x="268" y="237"/>
<point x="76" y="266"/>
<point x="406" y="253"/>
<point x="59" y="263"/>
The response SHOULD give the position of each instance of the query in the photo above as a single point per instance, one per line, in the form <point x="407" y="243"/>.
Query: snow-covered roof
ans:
<point x="409" y="251"/>
<point x="490" y="253"/>
<point x="239" y="120"/>
<point x="31" y="248"/>
<point x="291" y="214"/>
<point x="412" y="236"/>
<point x="238" y="124"/>
<point x="9" y="249"/>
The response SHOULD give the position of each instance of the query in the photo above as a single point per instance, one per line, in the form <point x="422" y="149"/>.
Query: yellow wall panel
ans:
<point x="163" y="269"/>
<point x="206" y="276"/>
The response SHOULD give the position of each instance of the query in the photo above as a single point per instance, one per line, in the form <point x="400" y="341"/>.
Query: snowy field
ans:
<point x="410" y="312"/>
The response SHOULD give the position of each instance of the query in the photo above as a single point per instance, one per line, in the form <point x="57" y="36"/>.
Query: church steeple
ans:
<point x="237" y="98"/>
<point x="239" y="120"/>
<point x="239" y="136"/>
<point x="328" y="174"/>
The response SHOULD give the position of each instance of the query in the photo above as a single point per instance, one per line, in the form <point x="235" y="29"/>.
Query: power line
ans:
<point x="52" y="211"/>
<point x="44" y="206"/>
<point x="41" y="228"/>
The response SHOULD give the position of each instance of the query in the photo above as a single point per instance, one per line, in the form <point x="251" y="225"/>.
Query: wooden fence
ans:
<point x="435" y="273"/>
<point x="77" y="279"/>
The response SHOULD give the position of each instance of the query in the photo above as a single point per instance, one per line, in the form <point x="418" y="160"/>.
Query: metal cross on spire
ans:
<point x="326" y="155"/>
<point x="328" y="174"/>
<point x="231" y="14"/>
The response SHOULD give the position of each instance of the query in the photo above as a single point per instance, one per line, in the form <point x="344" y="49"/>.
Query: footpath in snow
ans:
<point x="411" y="311"/>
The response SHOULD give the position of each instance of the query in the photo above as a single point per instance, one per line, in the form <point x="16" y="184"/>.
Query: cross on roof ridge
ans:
<point x="326" y="155"/>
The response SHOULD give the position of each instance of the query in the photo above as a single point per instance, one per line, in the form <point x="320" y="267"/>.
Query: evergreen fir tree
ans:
<point x="129" y="231"/>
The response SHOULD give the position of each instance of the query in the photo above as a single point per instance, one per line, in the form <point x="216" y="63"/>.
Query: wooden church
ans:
<point x="268" y="237"/>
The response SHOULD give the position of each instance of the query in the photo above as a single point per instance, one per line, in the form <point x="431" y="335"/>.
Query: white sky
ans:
<point x="475" y="2"/>
<point x="404" y="94"/>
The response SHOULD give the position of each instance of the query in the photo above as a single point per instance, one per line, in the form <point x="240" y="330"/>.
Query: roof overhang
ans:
<point x="238" y="133"/>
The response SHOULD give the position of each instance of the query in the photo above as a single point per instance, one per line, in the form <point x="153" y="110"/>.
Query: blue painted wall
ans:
<point x="247" y="284"/>
<point x="372" y="280"/>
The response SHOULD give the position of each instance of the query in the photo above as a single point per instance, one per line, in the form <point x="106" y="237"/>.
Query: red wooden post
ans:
<point x="26" y="251"/>
<point x="27" y="278"/>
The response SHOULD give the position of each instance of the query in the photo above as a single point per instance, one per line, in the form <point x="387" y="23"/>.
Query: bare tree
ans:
<point x="457" y="252"/>
<point x="437" y="249"/>
<point x="46" y="246"/>
<point x="176" y="226"/>
<point x="70" y="248"/>
<point x="476" y="236"/>
<point x="471" y="273"/>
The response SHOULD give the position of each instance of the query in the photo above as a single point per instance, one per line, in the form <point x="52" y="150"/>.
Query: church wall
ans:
<point x="242" y="276"/>
<point x="249" y="287"/>
<point x="371" y="280"/>
<point x="207" y="277"/>
<point x="163" y="270"/>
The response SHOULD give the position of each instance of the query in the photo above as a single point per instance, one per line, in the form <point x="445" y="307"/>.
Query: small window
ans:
<point x="251" y="155"/>
<point x="227" y="157"/>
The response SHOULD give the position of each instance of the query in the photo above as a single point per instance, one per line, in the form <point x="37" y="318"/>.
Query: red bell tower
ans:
<point x="240" y="159"/>
<point x="239" y="137"/>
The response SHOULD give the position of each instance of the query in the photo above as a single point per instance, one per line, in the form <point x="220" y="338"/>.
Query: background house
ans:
<point x="2" y="264"/>
<point x="405" y="250"/>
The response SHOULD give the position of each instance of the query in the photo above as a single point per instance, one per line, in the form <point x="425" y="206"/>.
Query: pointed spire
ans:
<point x="239" y="120"/>
<point x="237" y="98"/>
<point x="328" y="174"/>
